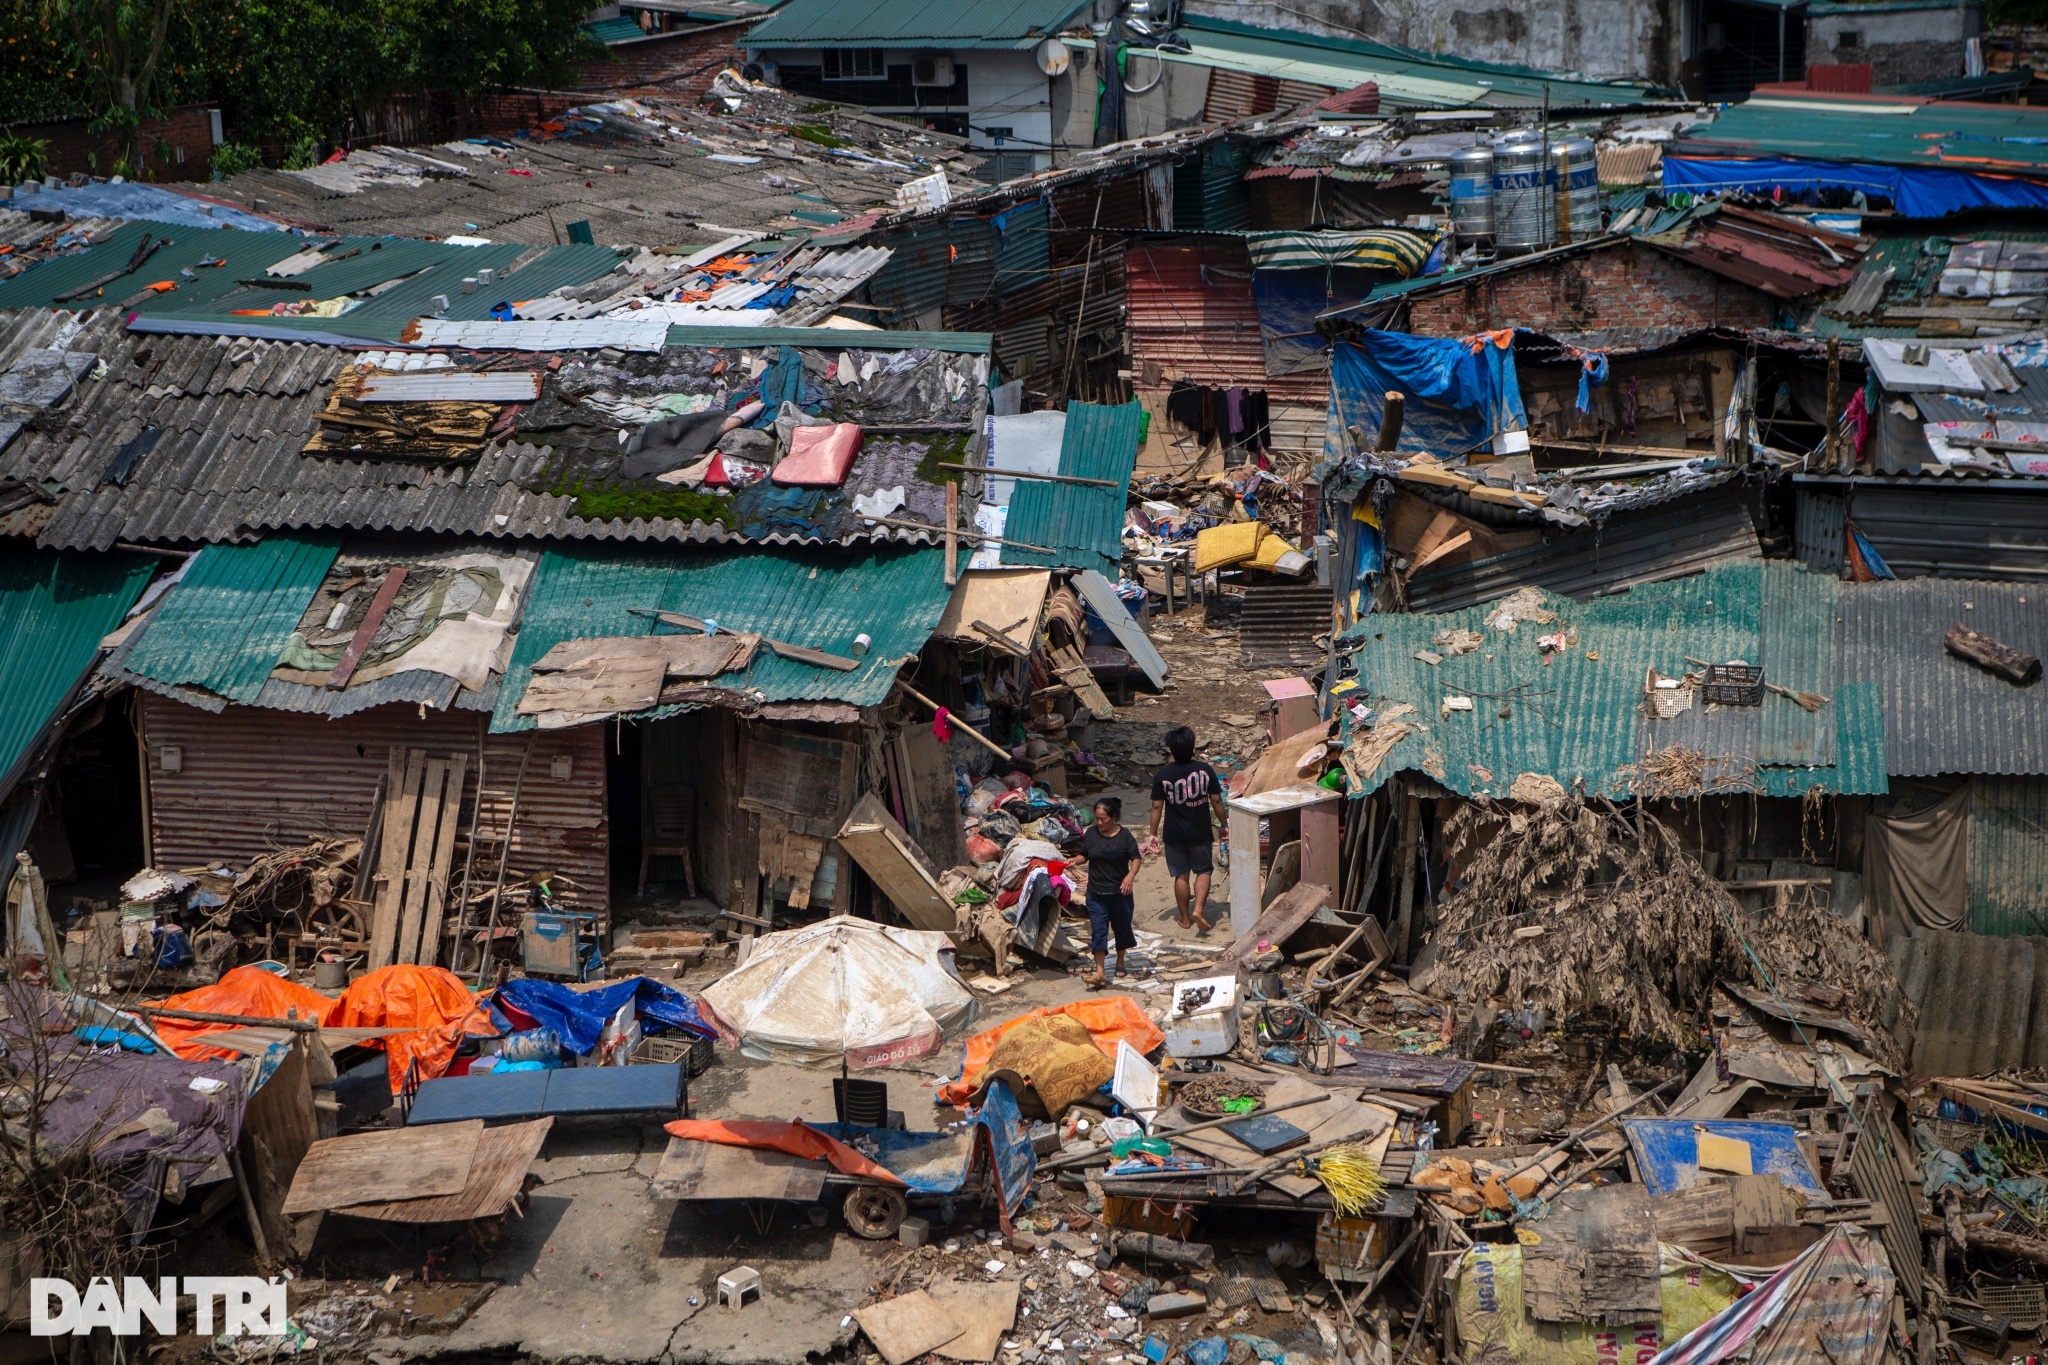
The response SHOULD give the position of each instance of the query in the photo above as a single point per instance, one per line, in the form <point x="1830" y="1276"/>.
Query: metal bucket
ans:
<point x="1472" y="192"/>
<point x="1577" y="173"/>
<point x="1522" y="193"/>
<point x="330" y="976"/>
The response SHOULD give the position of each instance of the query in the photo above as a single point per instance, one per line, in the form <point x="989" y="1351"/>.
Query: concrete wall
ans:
<point x="1175" y="102"/>
<point x="1902" y="45"/>
<point x="1008" y="90"/>
<point x="1628" y="285"/>
<point x="1634" y="39"/>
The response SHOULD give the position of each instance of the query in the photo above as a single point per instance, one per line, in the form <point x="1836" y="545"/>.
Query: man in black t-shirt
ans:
<point x="1184" y="792"/>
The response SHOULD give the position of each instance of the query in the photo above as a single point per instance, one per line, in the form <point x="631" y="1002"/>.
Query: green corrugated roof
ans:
<point x="617" y="29"/>
<point x="1083" y="526"/>
<point x="1579" y="719"/>
<point x="423" y="269"/>
<point x="225" y="623"/>
<point x="894" y="596"/>
<point x="1406" y="79"/>
<point x="911" y="23"/>
<point x="1967" y="137"/>
<point x="2008" y="855"/>
<point x="55" y="607"/>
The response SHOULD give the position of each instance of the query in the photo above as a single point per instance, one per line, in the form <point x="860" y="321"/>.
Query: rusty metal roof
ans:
<point x="1192" y="315"/>
<point x="1782" y="256"/>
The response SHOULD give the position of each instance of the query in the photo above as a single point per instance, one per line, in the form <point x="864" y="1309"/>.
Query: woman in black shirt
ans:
<point x="1111" y="853"/>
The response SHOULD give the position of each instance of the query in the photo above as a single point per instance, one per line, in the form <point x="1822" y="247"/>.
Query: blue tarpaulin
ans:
<point x="1289" y="302"/>
<point x="1916" y="192"/>
<point x="1460" y="393"/>
<point x="942" y="1163"/>
<point x="580" y="1016"/>
<point x="1667" y="1151"/>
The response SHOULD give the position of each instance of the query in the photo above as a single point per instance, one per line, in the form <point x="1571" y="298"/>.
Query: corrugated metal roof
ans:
<point x="1192" y="314"/>
<point x="55" y="607"/>
<point x="837" y="338"/>
<point x="225" y="624"/>
<point x="2008" y="867"/>
<point x="911" y="23"/>
<point x="1576" y="715"/>
<point x="1967" y="137"/>
<point x="246" y="254"/>
<point x="1082" y="525"/>
<point x="1649" y="546"/>
<point x="1981" y="1001"/>
<point x="1406" y="79"/>
<point x="1797" y="651"/>
<point x="896" y="597"/>
<point x="1944" y="527"/>
<point x="1942" y="715"/>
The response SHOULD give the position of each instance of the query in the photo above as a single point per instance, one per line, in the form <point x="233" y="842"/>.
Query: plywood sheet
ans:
<point x="681" y="656"/>
<point x="694" y="1169"/>
<point x="608" y="688"/>
<point x="872" y="838"/>
<point x="983" y="1312"/>
<point x="1594" y="1260"/>
<point x="905" y="1327"/>
<point x="398" y="1163"/>
<point x="1009" y="600"/>
<point x="503" y="1157"/>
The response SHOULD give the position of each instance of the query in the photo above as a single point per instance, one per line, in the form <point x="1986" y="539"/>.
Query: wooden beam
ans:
<point x="963" y="727"/>
<point x="969" y="535"/>
<point x="952" y="541"/>
<point x="394" y="579"/>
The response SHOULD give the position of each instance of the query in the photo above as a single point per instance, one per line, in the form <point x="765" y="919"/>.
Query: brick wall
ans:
<point x="1627" y="285"/>
<point x="176" y="148"/>
<point x="679" y="64"/>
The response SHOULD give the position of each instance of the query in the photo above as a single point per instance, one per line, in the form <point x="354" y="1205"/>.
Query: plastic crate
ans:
<point x="1733" y="685"/>
<point x="2022" y="1302"/>
<point x="674" y="1047"/>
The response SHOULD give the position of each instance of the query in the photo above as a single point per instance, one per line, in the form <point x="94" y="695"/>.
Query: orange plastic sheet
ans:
<point x="1109" y="1019"/>
<point x="250" y="992"/>
<point x="431" y="1001"/>
<point x="795" y="1137"/>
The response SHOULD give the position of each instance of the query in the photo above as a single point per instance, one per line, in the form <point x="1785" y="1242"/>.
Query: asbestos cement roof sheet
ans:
<point x="1577" y="714"/>
<point x="893" y="596"/>
<point x="1943" y="715"/>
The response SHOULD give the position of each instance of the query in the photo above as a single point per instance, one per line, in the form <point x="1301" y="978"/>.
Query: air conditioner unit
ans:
<point x="936" y="71"/>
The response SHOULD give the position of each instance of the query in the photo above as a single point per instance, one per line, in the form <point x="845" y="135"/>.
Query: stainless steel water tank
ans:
<point x="1577" y="173"/>
<point x="1522" y="193"/>
<point x="1472" y="192"/>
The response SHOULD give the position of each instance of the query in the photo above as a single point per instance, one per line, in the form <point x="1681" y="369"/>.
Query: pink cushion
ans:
<point x="819" y="456"/>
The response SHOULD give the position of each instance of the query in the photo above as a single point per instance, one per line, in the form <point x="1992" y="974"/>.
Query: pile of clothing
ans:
<point x="1001" y="810"/>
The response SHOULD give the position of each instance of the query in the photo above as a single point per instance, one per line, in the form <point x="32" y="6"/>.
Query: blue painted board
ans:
<point x="1667" y="1152"/>
<point x="451" y="1099"/>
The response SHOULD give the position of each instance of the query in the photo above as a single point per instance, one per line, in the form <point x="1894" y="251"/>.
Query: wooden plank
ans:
<point x="497" y="1175"/>
<point x="952" y="565"/>
<point x="683" y="656"/>
<point x="443" y="861"/>
<point x="694" y="1169"/>
<point x="905" y="1327"/>
<point x="345" y="667"/>
<point x="605" y="688"/>
<point x="428" y="814"/>
<point x="872" y="838"/>
<point x="1290" y="910"/>
<point x="1700" y="1217"/>
<point x="395" y="1163"/>
<point x="1074" y="673"/>
<point x="406" y="768"/>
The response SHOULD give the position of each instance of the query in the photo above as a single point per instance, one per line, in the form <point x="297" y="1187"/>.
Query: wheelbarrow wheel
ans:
<point x="875" y="1211"/>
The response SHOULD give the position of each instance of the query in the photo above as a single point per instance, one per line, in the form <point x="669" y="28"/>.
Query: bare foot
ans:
<point x="1205" y="925"/>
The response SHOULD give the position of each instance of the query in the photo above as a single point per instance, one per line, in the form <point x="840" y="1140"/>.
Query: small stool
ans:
<point x="735" y="1284"/>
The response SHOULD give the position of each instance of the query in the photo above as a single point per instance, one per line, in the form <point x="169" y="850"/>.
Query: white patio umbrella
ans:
<point x="845" y="992"/>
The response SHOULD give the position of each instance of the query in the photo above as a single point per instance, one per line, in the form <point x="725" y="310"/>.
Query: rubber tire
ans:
<point x="875" y="1211"/>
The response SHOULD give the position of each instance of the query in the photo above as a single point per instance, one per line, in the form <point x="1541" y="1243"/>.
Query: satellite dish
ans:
<point x="1053" y="57"/>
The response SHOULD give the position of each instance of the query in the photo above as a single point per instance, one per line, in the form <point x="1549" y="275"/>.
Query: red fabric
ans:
<point x="795" y="1137"/>
<point x="431" y="1002"/>
<point x="250" y="992"/>
<point x="942" y="731"/>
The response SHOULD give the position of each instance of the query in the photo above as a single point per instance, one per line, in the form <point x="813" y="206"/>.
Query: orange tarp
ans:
<point x="1109" y="1019"/>
<point x="795" y="1137"/>
<point x="251" y="992"/>
<point x="431" y="1000"/>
